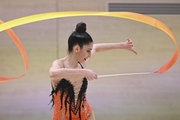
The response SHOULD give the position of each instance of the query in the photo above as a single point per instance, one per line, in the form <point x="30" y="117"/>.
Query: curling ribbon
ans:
<point x="127" y="15"/>
<point x="19" y="45"/>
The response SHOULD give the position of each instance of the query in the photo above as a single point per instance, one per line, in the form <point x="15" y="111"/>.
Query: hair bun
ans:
<point x="81" y="27"/>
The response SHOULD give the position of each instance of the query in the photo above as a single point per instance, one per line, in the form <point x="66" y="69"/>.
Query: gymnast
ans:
<point x="69" y="76"/>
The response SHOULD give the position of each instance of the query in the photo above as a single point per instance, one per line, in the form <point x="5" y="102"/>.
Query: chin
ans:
<point x="82" y="61"/>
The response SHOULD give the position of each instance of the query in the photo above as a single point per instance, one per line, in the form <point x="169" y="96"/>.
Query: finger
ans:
<point x="131" y="46"/>
<point x="96" y="77"/>
<point x="128" y="39"/>
<point x="132" y="49"/>
<point x="135" y="52"/>
<point x="130" y="43"/>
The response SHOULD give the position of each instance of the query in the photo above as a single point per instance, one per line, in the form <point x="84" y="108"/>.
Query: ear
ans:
<point x="76" y="48"/>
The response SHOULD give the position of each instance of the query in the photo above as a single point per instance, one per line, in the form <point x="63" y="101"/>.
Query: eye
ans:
<point x="88" y="51"/>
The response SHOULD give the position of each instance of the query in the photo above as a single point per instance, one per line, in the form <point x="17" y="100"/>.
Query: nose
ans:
<point x="89" y="55"/>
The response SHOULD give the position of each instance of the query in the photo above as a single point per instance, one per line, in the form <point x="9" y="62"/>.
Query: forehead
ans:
<point x="89" y="46"/>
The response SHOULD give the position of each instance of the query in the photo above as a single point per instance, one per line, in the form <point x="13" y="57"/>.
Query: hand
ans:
<point x="129" y="45"/>
<point x="90" y="75"/>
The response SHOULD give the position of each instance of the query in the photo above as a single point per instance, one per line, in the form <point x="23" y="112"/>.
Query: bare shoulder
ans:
<point x="57" y="63"/>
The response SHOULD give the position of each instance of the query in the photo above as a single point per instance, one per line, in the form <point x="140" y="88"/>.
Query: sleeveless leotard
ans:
<point x="66" y="106"/>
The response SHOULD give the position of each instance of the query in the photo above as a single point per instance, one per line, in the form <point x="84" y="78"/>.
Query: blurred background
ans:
<point x="136" y="97"/>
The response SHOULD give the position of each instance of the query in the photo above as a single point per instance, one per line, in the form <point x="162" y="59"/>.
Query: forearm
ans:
<point x="107" y="46"/>
<point x="66" y="73"/>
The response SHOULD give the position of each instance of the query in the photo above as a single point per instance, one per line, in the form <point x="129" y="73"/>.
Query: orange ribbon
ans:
<point x="20" y="46"/>
<point x="45" y="16"/>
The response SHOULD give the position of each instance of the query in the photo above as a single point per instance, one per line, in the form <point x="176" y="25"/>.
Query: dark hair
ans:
<point x="79" y="37"/>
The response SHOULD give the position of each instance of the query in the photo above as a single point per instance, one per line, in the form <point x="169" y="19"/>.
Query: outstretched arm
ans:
<point x="57" y="72"/>
<point x="128" y="45"/>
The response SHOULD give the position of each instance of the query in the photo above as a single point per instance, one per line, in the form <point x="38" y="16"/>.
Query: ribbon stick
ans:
<point x="123" y="74"/>
<point x="20" y="46"/>
<point x="126" y="15"/>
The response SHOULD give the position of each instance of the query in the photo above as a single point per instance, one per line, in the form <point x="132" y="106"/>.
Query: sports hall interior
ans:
<point x="129" y="97"/>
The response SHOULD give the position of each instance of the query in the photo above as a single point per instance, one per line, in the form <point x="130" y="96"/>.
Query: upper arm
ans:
<point x="57" y="64"/>
<point x="54" y="66"/>
<point x="93" y="50"/>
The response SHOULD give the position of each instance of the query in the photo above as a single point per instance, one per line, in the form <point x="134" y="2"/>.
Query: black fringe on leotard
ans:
<point x="66" y="88"/>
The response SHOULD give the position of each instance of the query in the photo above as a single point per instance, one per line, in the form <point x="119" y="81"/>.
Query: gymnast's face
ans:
<point x="84" y="53"/>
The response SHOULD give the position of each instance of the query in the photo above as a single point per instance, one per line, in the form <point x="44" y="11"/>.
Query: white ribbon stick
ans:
<point x="123" y="74"/>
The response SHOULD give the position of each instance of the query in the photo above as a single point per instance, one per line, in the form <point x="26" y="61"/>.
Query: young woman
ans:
<point x="70" y="77"/>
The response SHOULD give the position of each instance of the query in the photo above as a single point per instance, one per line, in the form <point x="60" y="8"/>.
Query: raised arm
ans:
<point x="128" y="45"/>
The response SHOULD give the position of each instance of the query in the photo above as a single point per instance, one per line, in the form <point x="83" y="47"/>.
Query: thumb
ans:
<point x="128" y="39"/>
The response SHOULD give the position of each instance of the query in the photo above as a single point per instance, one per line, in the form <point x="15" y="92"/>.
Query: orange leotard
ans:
<point x="65" y="107"/>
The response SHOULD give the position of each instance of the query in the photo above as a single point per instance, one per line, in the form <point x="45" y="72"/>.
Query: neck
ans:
<point x="71" y="61"/>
